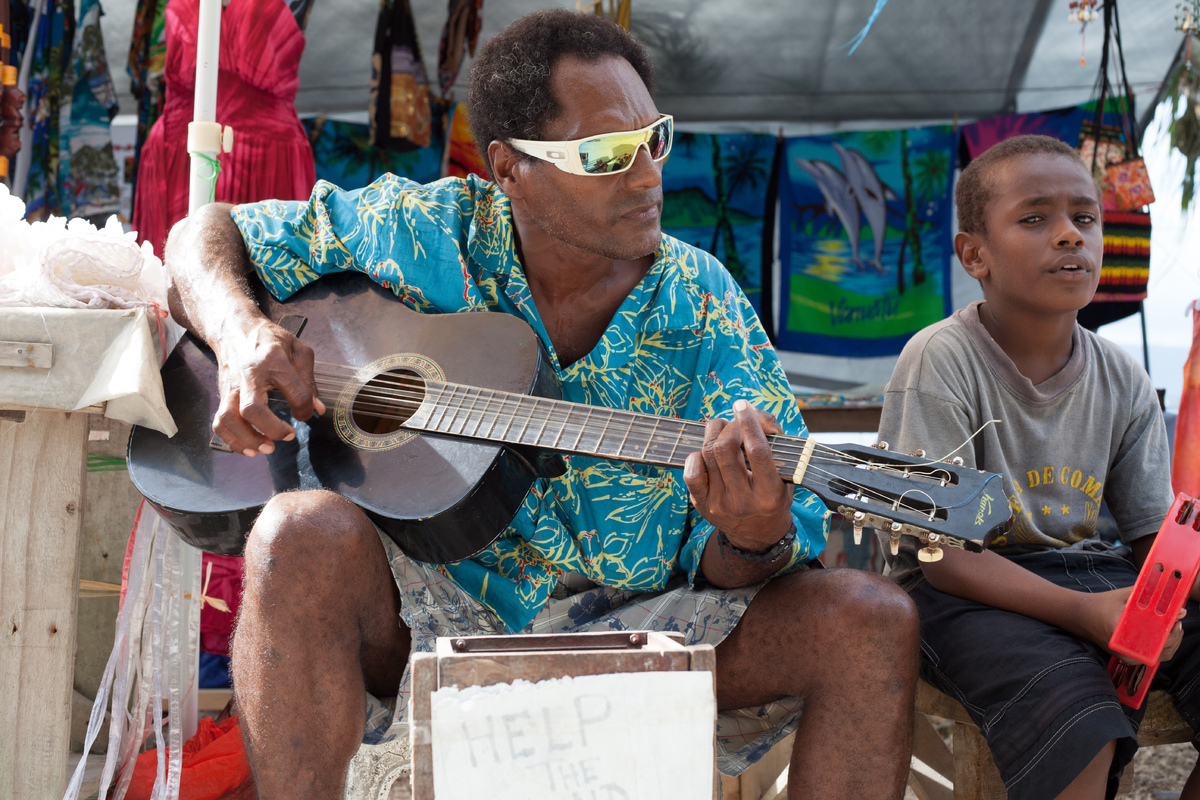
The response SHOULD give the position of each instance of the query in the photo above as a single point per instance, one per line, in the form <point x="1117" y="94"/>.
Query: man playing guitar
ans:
<point x="567" y="237"/>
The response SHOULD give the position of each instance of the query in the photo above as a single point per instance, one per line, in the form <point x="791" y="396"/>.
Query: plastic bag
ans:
<point x="214" y="764"/>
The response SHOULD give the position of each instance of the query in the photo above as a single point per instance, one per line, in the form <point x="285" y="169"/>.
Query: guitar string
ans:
<point x="418" y="394"/>
<point x="567" y="428"/>
<point x="404" y="380"/>
<point x="690" y="439"/>
<point x="861" y="491"/>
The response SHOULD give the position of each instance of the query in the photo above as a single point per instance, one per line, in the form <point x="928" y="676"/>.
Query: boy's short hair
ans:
<point x="510" y="96"/>
<point x="974" y="190"/>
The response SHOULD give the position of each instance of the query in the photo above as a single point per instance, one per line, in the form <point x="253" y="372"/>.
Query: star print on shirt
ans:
<point x="1066" y="510"/>
<point x="1045" y="510"/>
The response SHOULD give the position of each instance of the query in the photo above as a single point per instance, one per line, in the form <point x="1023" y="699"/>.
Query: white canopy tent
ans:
<point x="784" y="64"/>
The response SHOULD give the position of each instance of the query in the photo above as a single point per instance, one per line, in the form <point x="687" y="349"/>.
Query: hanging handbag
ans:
<point x="1115" y="161"/>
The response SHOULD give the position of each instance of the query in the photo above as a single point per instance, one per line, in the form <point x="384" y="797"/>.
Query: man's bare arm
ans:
<point x="207" y="264"/>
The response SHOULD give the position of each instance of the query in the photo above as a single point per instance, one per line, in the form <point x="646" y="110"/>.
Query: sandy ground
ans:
<point x="1158" y="772"/>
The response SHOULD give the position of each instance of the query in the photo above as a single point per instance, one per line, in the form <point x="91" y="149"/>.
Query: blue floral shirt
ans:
<point x="685" y="343"/>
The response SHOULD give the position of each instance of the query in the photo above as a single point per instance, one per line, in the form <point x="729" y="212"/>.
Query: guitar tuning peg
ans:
<point x="894" y="541"/>
<point x="859" y="518"/>
<point x="918" y="453"/>
<point x="957" y="461"/>
<point x="880" y="445"/>
<point x="932" y="551"/>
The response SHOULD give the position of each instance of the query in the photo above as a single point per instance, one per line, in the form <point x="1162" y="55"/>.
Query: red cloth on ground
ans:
<point x="214" y="762"/>
<point x="261" y="45"/>
<point x="1185" y="475"/>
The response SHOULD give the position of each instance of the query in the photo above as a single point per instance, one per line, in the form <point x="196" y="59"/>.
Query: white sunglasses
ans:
<point x="605" y="153"/>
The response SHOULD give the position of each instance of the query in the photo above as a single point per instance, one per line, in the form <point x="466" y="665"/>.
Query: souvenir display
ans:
<point x="261" y="45"/>
<point x="401" y="117"/>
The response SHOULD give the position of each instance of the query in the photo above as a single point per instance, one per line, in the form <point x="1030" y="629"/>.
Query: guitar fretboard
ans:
<point x="475" y="413"/>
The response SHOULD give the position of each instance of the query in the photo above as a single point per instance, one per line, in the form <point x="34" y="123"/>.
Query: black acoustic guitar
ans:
<point x="438" y="425"/>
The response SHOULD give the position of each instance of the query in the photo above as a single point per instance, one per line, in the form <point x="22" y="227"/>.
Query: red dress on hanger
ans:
<point x="261" y="45"/>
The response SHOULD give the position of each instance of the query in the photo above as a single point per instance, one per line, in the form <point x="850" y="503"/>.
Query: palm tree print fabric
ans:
<point x="715" y="198"/>
<point x="866" y="240"/>
<point x="345" y="157"/>
<point x="685" y="343"/>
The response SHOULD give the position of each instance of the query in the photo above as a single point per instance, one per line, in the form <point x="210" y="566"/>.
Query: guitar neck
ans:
<point x="474" y="413"/>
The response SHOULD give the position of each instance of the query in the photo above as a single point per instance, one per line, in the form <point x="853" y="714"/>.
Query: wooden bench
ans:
<point x="962" y="772"/>
<point x="969" y="766"/>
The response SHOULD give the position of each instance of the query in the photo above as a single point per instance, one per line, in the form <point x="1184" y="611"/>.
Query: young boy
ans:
<point x="1018" y="633"/>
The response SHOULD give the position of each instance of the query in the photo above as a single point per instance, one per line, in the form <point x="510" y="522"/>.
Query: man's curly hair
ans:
<point x="510" y="94"/>
<point x="974" y="190"/>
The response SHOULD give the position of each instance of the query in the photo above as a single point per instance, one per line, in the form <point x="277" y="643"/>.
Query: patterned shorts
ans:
<point x="432" y="605"/>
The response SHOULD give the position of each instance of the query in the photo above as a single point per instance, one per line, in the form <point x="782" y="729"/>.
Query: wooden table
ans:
<point x="836" y="419"/>
<point x="43" y="460"/>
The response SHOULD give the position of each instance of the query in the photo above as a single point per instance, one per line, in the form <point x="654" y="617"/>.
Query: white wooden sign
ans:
<point x="602" y="737"/>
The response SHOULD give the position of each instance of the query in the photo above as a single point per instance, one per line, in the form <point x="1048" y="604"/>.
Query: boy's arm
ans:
<point x="924" y="407"/>
<point x="993" y="580"/>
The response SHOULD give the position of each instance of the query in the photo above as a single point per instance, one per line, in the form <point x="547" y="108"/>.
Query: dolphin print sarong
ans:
<point x="865" y="239"/>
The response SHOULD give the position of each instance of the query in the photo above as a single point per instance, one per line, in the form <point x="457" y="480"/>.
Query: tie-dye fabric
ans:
<point x="684" y="343"/>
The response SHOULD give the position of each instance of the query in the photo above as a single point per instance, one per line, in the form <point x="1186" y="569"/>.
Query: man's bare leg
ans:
<point x="846" y="641"/>
<point x="319" y="625"/>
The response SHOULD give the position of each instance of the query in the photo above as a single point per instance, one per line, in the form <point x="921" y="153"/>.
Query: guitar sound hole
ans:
<point x="387" y="400"/>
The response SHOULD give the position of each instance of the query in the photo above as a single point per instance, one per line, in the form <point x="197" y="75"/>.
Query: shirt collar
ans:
<point x="665" y="299"/>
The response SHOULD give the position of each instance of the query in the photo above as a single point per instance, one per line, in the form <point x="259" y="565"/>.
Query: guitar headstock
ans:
<point x="939" y="503"/>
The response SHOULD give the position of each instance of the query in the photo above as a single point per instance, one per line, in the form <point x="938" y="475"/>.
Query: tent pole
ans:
<point x="204" y="145"/>
<point x="204" y="134"/>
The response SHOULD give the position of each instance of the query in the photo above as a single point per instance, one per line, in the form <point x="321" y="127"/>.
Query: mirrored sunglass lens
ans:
<point x="615" y="152"/>
<point x="600" y="156"/>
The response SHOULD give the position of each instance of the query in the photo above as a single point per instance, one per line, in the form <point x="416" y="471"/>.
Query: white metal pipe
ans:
<point x="208" y="50"/>
<point x="201" y="190"/>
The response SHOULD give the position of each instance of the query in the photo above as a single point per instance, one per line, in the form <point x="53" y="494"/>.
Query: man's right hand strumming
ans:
<point x="207" y="264"/>
<point x="266" y="357"/>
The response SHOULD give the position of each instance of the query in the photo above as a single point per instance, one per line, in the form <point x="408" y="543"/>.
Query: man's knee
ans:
<point x="860" y="606"/>
<point x="306" y="530"/>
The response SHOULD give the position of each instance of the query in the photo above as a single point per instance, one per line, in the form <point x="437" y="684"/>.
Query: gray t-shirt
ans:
<point x="1092" y="432"/>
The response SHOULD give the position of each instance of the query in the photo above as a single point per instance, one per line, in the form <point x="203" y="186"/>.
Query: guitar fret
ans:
<point x="621" y="444"/>
<point x="512" y="416"/>
<point x="482" y="413"/>
<point x="496" y="419"/>
<point x="604" y="432"/>
<point x="582" y="427"/>
<point x="650" y="437"/>
<point x="563" y="428"/>
<point x="678" y="439"/>
<point x="537" y="437"/>
<point x="469" y="412"/>
<point x="442" y="406"/>
<point x="525" y="425"/>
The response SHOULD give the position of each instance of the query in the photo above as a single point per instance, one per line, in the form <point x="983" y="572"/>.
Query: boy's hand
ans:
<point x="1105" y="611"/>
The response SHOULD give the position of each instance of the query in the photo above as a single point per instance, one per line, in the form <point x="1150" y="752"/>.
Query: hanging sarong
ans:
<point x="715" y="197"/>
<point x="865" y="239"/>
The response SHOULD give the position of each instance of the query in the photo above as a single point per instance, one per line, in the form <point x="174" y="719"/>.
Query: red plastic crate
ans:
<point x="1161" y="589"/>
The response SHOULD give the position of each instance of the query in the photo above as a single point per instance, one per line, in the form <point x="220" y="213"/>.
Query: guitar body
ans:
<point x="440" y="498"/>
